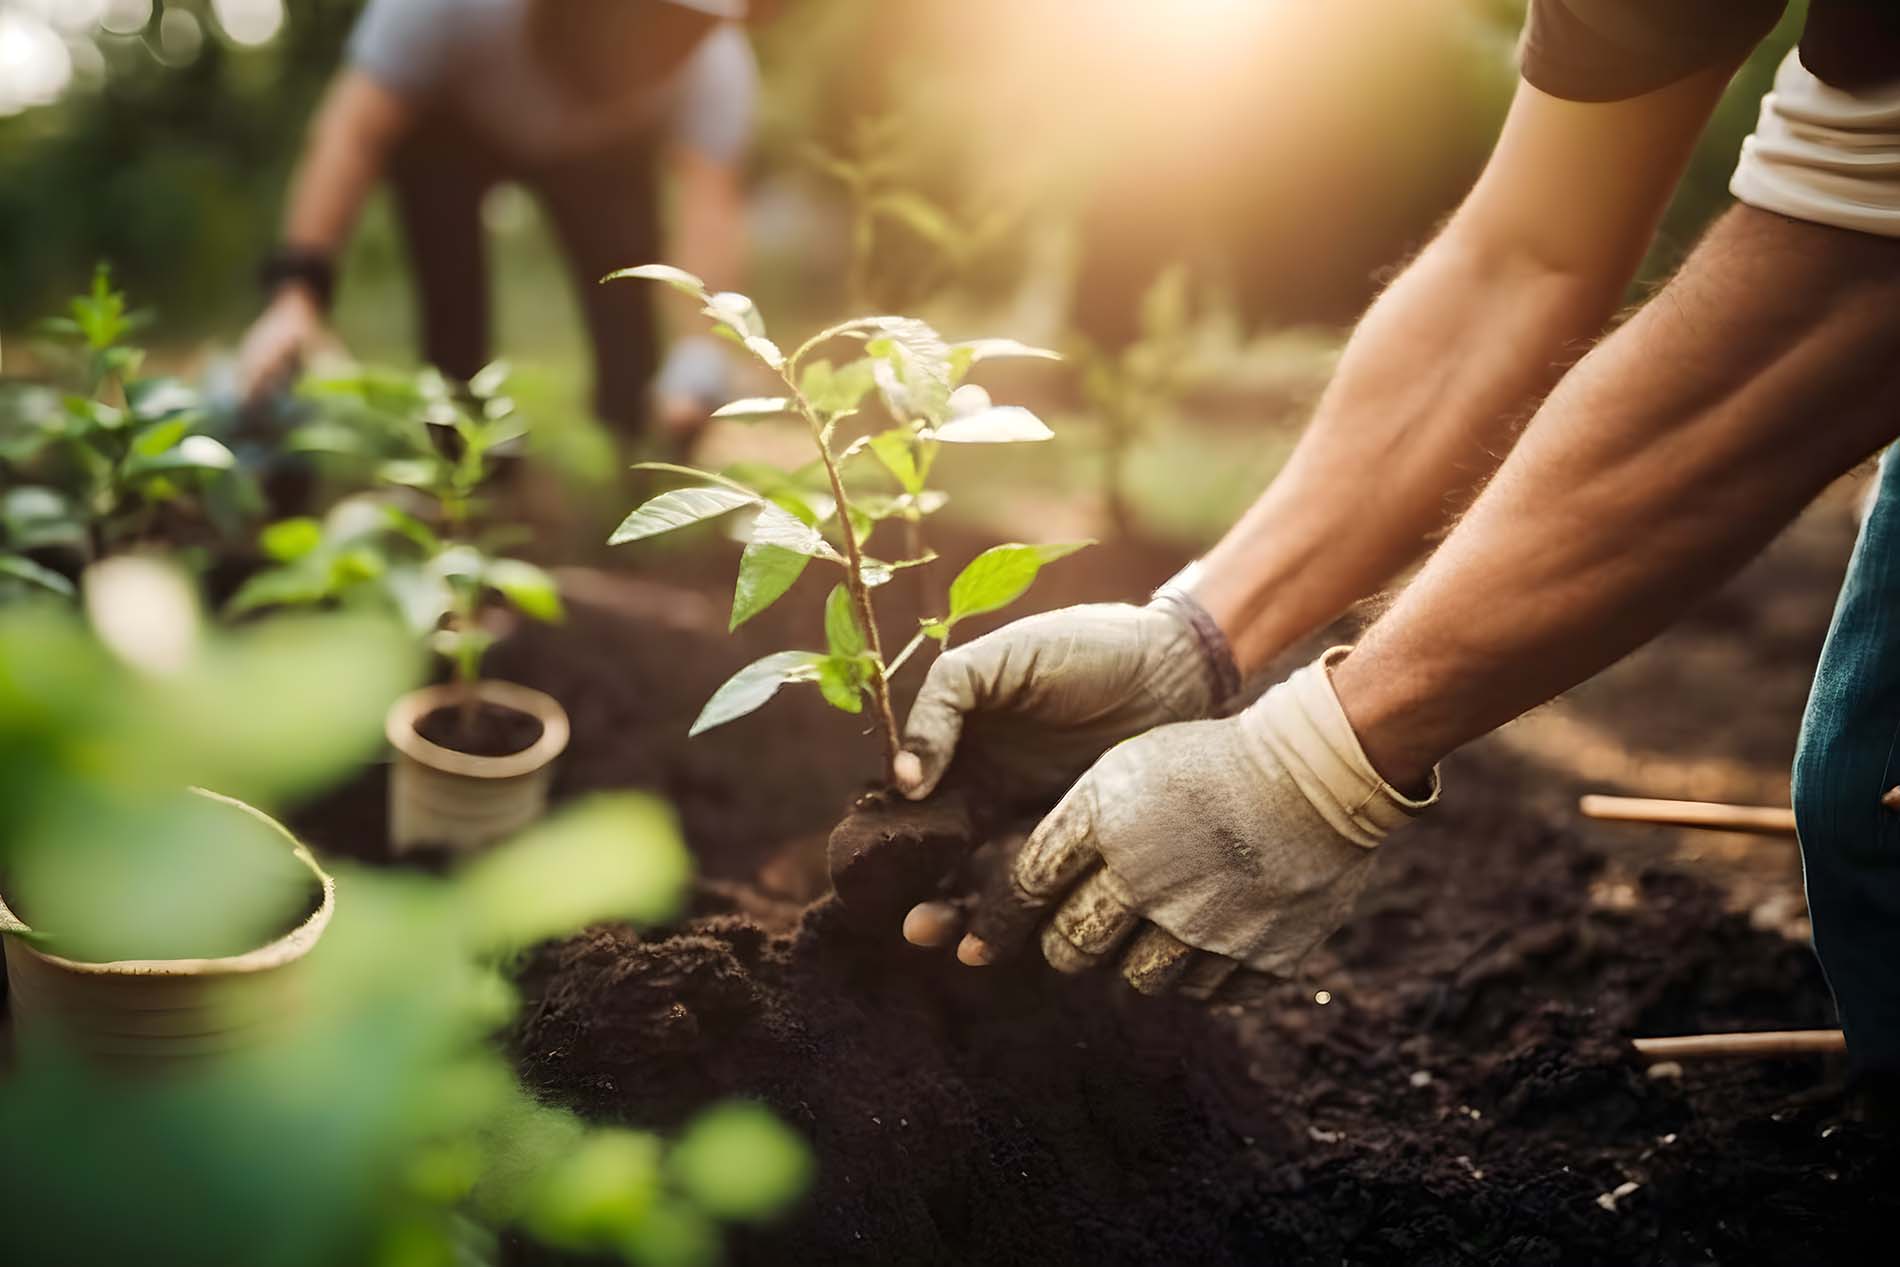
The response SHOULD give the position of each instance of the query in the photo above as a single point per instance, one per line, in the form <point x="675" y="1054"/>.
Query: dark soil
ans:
<point x="495" y="731"/>
<point x="1449" y="1083"/>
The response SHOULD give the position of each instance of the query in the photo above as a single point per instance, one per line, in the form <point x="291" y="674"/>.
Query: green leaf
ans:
<point x="894" y="449"/>
<point x="414" y="472"/>
<point x="765" y="573"/>
<point x="155" y="398"/>
<point x="1005" y="424"/>
<point x="401" y="521"/>
<point x="776" y="526"/>
<point x="294" y="586"/>
<point x="836" y="392"/>
<point x="159" y="437"/>
<point x="288" y="540"/>
<point x="681" y="508"/>
<point x="615" y="856"/>
<point x="754" y="408"/>
<point x="678" y="278"/>
<point x="976" y="351"/>
<point x="843" y="635"/>
<point x="20" y="568"/>
<point x="999" y="576"/>
<point x="737" y="313"/>
<point x="32" y="517"/>
<point x="490" y="379"/>
<point x="922" y="216"/>
<point x="737" y="1161"/>
<point x="841" y="682"/>
<point x="766" y="351"/>
<point x="193" y="453"/>
<point x="747" y="690"/>
<point x="596" y="1194"/>
<point x="530" y="589"/>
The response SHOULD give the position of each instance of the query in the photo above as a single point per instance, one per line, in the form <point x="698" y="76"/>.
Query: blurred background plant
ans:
<point x="386" y="1127"/>
<point x="425" y="546"/>
<point x="97" y="459"/>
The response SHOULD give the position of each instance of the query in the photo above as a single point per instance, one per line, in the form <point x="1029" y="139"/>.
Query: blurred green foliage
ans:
<point x="424" y="547"/>
<point x="384" y="1126"/>
<point x="97" y="458"/>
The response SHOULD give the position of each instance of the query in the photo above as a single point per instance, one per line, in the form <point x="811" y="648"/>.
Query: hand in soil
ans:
<point x="1036" y="702"/>
<point x="1195" y="847"/>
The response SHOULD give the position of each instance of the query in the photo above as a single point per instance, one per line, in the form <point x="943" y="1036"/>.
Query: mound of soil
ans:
<point x="1465" y="1094"/>
<point x="1449" y="1083"/>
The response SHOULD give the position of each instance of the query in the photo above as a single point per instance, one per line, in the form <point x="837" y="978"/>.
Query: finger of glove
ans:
<point x="1092" y="918"/>
<point x="936" y="720"/>
<point x="1155" y="960"/>
<point x="1206" y="973"/>
<point x="1057" y="854"/>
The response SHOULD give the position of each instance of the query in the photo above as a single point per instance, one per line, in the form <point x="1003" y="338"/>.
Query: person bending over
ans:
<point x="586" y="103"/>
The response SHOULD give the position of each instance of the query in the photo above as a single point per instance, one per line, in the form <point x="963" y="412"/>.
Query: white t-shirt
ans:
<point x="471" y="58"/>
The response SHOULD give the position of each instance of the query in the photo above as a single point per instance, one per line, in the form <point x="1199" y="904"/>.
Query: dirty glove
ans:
<point x="1039" y="700"/>
<point x="1196" y="846"/>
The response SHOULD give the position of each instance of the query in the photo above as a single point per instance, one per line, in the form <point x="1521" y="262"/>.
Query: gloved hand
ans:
<point x="694" y="380"/>
<point x="1196" y="847"/>
<point x="1040" y="699"/>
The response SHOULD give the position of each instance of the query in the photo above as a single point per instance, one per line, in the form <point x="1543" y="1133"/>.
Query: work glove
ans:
<point x="1035" y="703"/>
<point x="1199" y="847"/>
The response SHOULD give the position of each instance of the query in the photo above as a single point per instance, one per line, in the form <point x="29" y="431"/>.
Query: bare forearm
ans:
<point x="1668" y="457"/>
<point x="709" y="222"/>
<point x="349" y="144"/>
<point x="1425" y="404"/>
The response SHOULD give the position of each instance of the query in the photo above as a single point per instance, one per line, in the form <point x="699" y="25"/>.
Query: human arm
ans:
<point x="1444" y="367"/>
<point x="1426" y="401"/>
<point x="349" y="143"/>
<point x="1670" y="455"/>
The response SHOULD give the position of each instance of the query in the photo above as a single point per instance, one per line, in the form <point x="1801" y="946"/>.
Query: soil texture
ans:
<point x="1450" y="1081"/>
<point x="495" y="730"/>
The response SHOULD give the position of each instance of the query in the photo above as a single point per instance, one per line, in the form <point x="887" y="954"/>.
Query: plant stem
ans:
<point x="910" y="649"/>
<point x="855" y="586"/>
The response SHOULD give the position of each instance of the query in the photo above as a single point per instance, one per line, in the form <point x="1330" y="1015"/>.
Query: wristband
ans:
<point x="303" y="266"/>
<point x="1223" y="673"/>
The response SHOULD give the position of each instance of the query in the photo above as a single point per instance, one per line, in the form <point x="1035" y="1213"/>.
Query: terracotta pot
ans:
<point x="438" y="796"/>
<point x="149" y="1012"/>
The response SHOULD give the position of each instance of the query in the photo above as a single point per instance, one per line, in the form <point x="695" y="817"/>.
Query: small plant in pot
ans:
<point x="830" y="517"/>
<point x="144" y="922"/>
<point x="474" y="756"/>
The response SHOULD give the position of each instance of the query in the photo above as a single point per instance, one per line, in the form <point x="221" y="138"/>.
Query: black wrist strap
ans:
<point x="1223" y="673"/>
<point x="301" y="266"/>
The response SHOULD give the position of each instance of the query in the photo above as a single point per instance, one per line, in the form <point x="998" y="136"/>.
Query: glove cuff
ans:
<point x="1218" y="665"/>
<point x="1302" y="723"/>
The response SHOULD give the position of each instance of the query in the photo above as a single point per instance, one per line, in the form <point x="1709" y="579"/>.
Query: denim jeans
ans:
<point x="1849" y="754"/>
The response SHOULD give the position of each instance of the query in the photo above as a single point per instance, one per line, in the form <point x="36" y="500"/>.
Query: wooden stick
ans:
<point x="1789" y="1042"/>
<point x="1762" y="820"/>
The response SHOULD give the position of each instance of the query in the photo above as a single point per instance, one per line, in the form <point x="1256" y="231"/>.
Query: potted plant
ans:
<point x="144" y="923"/>
<point x="473" y="756"/>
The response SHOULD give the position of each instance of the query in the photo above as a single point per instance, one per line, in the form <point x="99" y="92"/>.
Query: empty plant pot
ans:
<point x="443" y="796"/>
<point x="148" y="1013"/>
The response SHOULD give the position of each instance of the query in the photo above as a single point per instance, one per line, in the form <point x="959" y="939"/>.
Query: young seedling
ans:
<point x="428" y="564"/>
<point x="104" y="463"/>
<point x="872" y="175"/>
<point x="918" y="378"/>
<point x="1130" y="390"/>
